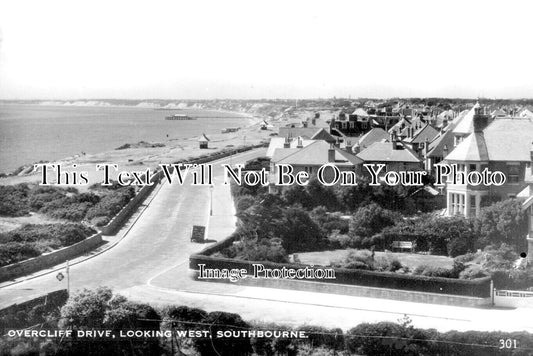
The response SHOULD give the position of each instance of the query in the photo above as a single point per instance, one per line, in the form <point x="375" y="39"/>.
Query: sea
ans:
<point x="30" y="133"/>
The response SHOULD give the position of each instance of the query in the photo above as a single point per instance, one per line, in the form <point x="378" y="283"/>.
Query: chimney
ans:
<point x="305" y="123"/>
<point x="299" y="144"/>
<point x="480" y="120"/>
<point x="426" y="147"/>
<point x="444" y="151"/>
<point x="331" y="154"/>
<point x="394" y="140"/>
<point x="313" y="121"/>
<point x="287" y="143"/>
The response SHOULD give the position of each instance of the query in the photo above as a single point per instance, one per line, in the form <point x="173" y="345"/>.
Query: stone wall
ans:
<point x="49" y="259"/>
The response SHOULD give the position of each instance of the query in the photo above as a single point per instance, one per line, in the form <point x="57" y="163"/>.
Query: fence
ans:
<point x="513" y="298"/>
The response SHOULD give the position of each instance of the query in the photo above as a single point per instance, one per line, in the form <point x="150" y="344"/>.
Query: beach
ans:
<point x="146" y="153"/>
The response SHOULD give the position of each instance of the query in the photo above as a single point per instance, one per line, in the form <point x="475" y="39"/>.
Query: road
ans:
<point x="158" y="239"/>
<point x="150" y="264"/>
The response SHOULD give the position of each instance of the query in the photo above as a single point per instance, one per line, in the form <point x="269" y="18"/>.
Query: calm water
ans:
<point x="30" y="133"/>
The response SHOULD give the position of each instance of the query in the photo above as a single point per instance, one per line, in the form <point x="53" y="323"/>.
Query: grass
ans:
<point x="411" y="260"/>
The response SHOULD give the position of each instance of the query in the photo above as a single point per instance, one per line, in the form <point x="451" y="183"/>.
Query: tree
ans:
<point x="504" y="221"/>
<point x="99" y="309"/>
<point x="297" y="194"/>
<point x="223" y="322"/>
<point x="297" y="231"/>
<point x="370" y="220"/>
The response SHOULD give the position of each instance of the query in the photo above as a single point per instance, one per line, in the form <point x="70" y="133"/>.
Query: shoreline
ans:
<point x="145" y="154"/>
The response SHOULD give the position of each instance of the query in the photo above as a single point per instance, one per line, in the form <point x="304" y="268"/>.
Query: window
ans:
<point x="513" y="172"/>
<point x="458" y="204"/>
<point x="471" y="167"/>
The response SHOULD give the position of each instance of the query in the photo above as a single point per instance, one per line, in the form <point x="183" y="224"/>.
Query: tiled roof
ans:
<point x="315" y="154"/>
<point x="426" y="132"/>
<point x="323" y="135"/>
<point x="466" y="124"/>
<point x="360" y="112"/>
<point x="307" y="132"/>
<point x="509" y="139"/>
<point x="472" y="148"/>
<point x="384" y="152"/>
<point x="278" y="142"/>
<point x="436" y="147"/>
<point x="375" y="135"/>
<point x="505" y="139"/>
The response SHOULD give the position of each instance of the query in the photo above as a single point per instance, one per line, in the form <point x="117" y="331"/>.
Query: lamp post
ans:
<point x="211" y="187"/>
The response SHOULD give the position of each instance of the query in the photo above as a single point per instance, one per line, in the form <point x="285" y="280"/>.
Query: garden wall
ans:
<point x="123" y="215"/>
<point x="422" y="289"/>
<point x="49" y="259"/>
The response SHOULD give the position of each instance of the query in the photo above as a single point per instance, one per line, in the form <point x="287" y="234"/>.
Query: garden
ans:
<point x="355" y="227"/>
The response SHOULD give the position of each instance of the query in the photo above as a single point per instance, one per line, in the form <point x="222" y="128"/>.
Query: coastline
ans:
<point x="142" y="155"/>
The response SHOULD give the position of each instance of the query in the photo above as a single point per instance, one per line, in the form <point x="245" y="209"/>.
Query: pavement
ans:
<point x="148" y="262"/>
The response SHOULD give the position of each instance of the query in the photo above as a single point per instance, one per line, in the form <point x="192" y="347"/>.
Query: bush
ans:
<point x="382" y="338"/>
<point x="32" y="240"/>
<point x="505" y="222"/>
<point x="357" y="259"/>
<point x="370" y="220"/>
<point x="13" y="252"/>
<point x="257" y="250"/>
<point x="13" y="200"/>
<point x="473" y="272"/>
<point x="432" y="271"/>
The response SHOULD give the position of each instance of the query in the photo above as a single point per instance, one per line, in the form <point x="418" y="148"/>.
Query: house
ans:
<point x="375" y="135"/>
<point x="203" y="141"/>
<point x="289" y="132"/>
<point x="439" y="148"/>
<point x="527" y="195"/>
<point x="393" y="154"/>
<point x="526" y="113"/>
<point x="421" y="138"/>
<point x="501" y="145"/>
<point x="465" y="124"/>
<point x="309" y="159"/>
<point x="285" y="142"/>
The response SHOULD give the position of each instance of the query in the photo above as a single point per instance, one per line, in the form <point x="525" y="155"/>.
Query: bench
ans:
<point x="401" y="245"/>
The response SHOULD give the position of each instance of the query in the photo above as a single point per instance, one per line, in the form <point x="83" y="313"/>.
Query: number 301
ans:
<point x="508" y="344"/>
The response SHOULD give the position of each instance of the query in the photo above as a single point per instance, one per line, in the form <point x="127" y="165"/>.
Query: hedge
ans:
<point x="473" y="288"/>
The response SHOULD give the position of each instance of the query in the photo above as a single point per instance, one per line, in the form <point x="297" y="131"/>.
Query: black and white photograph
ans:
<point x="266" y="178"/>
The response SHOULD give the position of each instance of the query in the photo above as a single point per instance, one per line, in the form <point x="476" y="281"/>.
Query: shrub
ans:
<point x="357" y="259"/>
<point x="370" y="220"/>
<point x="13" y="200"/>
<point x="473" y="272"/>
<point x="32" y="240"/>
<point x="503" y="221"/>
<point x="13" y="252"/>
<point x="382" y="338"/>
<point x="257" y="250"/>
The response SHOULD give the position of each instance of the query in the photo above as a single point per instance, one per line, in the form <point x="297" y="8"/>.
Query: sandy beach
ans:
<point x="142" y="155"/>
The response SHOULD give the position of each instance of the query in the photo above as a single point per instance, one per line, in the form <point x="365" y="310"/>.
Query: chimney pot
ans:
<point x="331" y="154"/>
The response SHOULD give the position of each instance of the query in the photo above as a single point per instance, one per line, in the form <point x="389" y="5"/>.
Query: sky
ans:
<point x="265" y="49"/>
